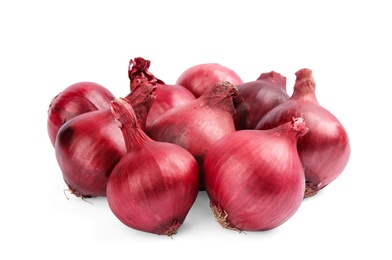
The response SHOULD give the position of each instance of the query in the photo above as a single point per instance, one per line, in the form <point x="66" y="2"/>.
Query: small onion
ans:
<point x="255" y="179"/>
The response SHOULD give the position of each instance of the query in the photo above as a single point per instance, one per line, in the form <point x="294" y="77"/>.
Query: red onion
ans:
<point x="154" y="186"/>
<point x="74" y="100"/>
<point x="89" y="145"/>
<point x="167" y="96"/>
<point x="255" y="179"/>
<point x="199" y="123"/>
<point x="325" y="150"/>
<point x="201" y="77"/>
<point x="260" y="96"/>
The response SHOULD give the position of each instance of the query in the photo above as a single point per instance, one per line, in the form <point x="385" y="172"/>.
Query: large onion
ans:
<point x="325" y="150"/>
<point x="153" y="187"/>
<point x="255" y="179"/>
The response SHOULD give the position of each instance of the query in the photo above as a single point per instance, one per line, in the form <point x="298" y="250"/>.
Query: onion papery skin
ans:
<point x="167" y="96"/>
<point x="87" y="149"/>
<point x="260" y="96"/>
<point x="255" y="179"/>
<point x="155" y="184"/>
<point x="199" y="123"/>
<point x="325" y="150"/>
<point x="89" y="145"/>
<point x="74" y="100"/>
<point x="201" y="77"/>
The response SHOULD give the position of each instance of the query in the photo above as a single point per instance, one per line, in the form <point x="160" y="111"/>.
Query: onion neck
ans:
<point x="295" y="127"/>
<point x="141" y="98"/>
<point x="304" y="87"/>
<point x="275" y="78"/>
<point x="125" y="116"/>
<point x="222" y="95"/>
<point x="138" y="72"/>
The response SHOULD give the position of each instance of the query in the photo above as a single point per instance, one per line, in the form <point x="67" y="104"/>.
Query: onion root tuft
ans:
<point x="221" y="217"/>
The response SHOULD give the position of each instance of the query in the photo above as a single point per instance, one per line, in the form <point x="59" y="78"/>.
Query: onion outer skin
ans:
<point x="201" y="77"/>
<point x="87" y="149"/>
<point x="155" y="184"/>
<point x="325" y="150"/>
<point x="168" y="96"/>
<point x="89" y="145"/>
<point x="260" y="96"/>
<point x="76" y="99"/>
<point x="199" y="123"/>
<point x="255" y="179"/>
<point x="154" y="196"/>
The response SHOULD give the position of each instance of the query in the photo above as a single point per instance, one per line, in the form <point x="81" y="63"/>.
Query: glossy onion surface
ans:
<point x="76" y="99"/>
<point x="201" y="77"/>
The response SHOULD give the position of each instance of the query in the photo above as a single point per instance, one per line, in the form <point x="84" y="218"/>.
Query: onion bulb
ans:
<point x="199" y="123"/>
<point x="325" y="150"/>
<point x="79" y="98"/>
<point x="201" y="77"/>
<point x="254" y="178"/>
<point x="260" y="96"/>
<point x="153" y="186"/>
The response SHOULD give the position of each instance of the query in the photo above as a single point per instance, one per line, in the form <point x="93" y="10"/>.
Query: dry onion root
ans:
<point x="221" y="217"/>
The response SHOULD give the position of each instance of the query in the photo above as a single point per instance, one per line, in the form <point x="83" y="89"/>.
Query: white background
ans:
<point x="46" y="46"/>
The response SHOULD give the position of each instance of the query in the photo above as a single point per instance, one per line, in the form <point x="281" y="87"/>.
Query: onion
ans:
<point x="74" y="100"/>
<point x="167" y="96"/>
<point x="325" y="150"/>
<point x="154" y="186"/>
<point x="260" y="96"/>
<point x="199" y="123"/>
<point x="89" y="145"/>
<point x="255" y="179"/>
<point x="201" y="77"/>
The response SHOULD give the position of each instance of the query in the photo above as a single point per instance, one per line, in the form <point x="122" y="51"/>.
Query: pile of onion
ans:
<point x="256" y="151"/>
<point x="325" y="150"/>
